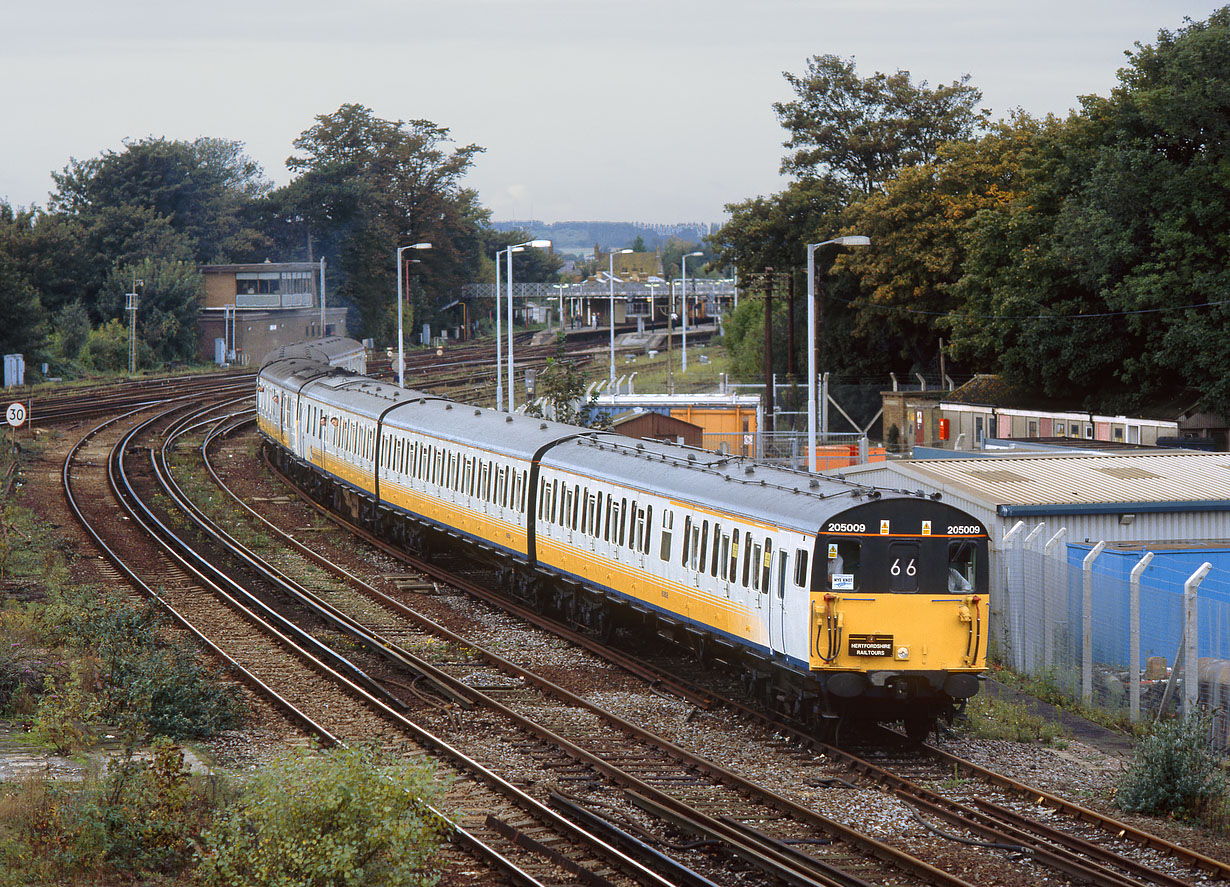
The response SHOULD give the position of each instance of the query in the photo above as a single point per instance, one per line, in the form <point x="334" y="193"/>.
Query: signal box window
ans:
<point x="962" y="567"/>
<point x="844" y="564"/>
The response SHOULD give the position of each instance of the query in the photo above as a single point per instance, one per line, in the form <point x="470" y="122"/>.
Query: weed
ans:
<point x="989" y="718"/>
<point x="338" y="817"/>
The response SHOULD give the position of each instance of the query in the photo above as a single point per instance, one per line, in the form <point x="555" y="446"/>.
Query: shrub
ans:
<point x="64" y="714"/>
<point x="339" y="817"/>
<point x="1175" y="771"/>
<point x="139" y="819"/>
<point x="151" y="686"/>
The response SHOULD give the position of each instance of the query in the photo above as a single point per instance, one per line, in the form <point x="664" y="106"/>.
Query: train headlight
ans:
<point x="903" y="653"/>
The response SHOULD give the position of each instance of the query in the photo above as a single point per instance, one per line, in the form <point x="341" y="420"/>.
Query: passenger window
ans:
<point x="687" y="539"/>
<point x="696" y="537"/>
<point x="734" y="556"/>
<point x="725" y="558"/>
<point x="645" y="543"/>
<point x="800" y="567"/>
<point x="782" y="566"/>
<point x="843" y="565"/>
<point x="704" y="546"/>
<point x="664" y="549"/>
<point x="767" y="568"/>
<point x="962" y="567"/>
<point x="717" y="538"/>
<point x="747" y="559"/>
<point x="755" y="551"/>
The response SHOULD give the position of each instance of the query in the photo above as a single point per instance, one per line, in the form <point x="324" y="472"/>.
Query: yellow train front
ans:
<point x="899" y="610"/>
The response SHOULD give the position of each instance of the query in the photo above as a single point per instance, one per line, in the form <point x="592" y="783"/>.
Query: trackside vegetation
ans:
<point x="92" y="676"/>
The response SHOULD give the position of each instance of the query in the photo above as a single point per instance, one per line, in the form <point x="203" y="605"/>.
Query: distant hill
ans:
<point x="578" y="237"/>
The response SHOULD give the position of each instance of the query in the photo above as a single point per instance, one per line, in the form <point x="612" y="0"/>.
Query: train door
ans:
<point x="775" y="586"/>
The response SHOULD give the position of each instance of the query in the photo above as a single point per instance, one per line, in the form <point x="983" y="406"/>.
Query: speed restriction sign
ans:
<point x="17" y="414"/>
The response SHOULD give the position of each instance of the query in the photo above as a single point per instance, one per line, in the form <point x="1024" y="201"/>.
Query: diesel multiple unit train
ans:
<point x="833" y="600"/>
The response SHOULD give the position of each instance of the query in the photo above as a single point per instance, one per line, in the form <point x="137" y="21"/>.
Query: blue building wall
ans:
<point x="1161" y="601"/>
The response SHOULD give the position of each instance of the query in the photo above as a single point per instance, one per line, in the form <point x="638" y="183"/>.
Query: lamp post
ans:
<point x="499" y="331"/>
<point x="401" y="349"/>
<point x="560" y="292"/>
<point x="684" y="265"/>
<point x="515" y="248"/>
<point x="848" y="240"/>
<point x="611" y="281"/>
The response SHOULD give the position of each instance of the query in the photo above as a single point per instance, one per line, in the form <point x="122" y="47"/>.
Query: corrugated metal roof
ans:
<point x="1086" y="480"/>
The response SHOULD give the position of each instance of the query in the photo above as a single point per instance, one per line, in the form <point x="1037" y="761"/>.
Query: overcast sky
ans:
<point x="648" y="110"/>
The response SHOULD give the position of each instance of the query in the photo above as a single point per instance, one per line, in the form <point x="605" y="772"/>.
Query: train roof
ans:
<point x="331" y="350"/>
<point x="703" y="478"/>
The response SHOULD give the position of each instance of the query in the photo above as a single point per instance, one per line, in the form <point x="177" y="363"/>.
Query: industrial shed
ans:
<point x="1171" y="497"/>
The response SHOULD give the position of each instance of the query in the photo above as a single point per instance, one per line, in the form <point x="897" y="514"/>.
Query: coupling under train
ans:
<point x="833" y="600"/>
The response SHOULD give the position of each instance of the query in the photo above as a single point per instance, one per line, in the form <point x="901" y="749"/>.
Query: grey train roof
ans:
<point x="771" y="494"/>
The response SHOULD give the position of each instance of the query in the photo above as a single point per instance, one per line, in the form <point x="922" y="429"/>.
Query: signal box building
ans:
<point x="249" y="310"/>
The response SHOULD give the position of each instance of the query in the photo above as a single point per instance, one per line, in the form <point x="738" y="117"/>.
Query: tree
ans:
<point x="559" y="392"/>
<point x="1106" y="275"/>
<point x="198" y="187"/>
<point x="367" y="186"/>
<point x="863" y="131"/>
<point x="170" y="297"/>
<point x="22" y="320"/>
<point x="917" y="223"/>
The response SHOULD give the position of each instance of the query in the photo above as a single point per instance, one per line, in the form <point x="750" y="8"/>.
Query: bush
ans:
<point x="141" y="818"/>
<point x="151" y="686"/>
<point x="1175" y="771"/>
<point x="339" y="817"/>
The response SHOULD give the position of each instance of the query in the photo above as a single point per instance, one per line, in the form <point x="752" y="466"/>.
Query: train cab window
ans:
<point x="903" y="567"/>
<point x="800" y="567"/>
<point x="664" y="547"/>
<point x="843" y="565"/>
<point x="962" y="567"/>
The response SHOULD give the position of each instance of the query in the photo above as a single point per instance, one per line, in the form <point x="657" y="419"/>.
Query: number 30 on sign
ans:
<point x="17" y="414"/>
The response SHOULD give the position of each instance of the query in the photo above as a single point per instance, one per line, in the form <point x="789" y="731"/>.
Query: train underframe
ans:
<point x="823" y="706"/>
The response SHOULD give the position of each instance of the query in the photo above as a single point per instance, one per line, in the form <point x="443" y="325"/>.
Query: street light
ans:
<point x="684" y="266"/>
<point x="611" y="282"/>
<point x="401" y="350"/>
<point x="499" y="330"/>
<point x="848" y="240"/>
<point x="515" y="248"/>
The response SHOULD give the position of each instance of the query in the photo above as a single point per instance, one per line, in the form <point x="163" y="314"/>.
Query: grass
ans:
<point x="989" y="718"/>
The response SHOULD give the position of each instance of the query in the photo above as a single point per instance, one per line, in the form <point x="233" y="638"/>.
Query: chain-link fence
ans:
<point x="1126" y="629"/>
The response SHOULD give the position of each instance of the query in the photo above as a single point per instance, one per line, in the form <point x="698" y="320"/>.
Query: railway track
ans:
<point x="108" y="481"/>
